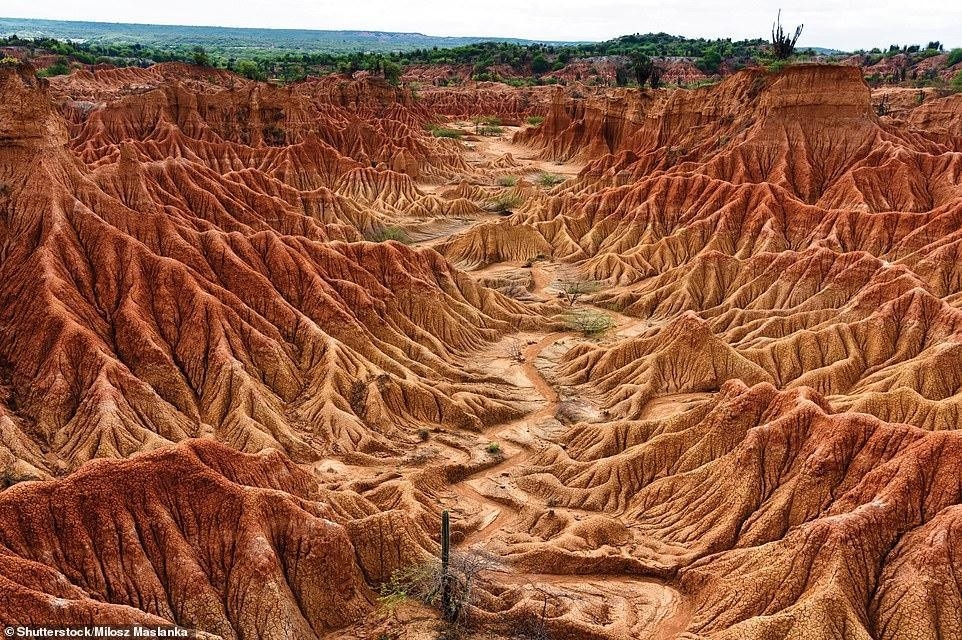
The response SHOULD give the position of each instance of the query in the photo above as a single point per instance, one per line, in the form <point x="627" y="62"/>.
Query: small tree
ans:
<point x="621" y="76"/>
<point x="200" y="57"/>
<point x="391" y="72"/>
<point x="783" y="45"/>
<point x="249" y="69"/>
<point x="654" y="80"/>
<point x="641" y="68"/>
<point x="573" y="290"/>
<point x="539" y="64"/>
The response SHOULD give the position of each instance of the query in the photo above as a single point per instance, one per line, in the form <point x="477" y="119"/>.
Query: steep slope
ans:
<point x="150" y="301"/>
<point x="198" y="535"/>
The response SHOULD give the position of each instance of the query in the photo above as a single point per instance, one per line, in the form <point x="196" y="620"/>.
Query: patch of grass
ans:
<point x="777" y="65"/>
<point x="507" y="181"/>
<point x="385" y="234"/>
<point x="534" y="121"/>
<point x="548" y="180"/>
<point x="493" y="449"/>
<point x="490" y="130"/>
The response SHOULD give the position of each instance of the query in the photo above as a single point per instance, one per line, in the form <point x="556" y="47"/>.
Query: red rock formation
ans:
<point x="198" y="536"/>
<point x="200" y="295"/>
<point x="765" y="447"/>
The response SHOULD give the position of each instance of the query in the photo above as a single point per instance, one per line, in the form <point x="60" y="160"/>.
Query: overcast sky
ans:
<point x="841" y="24"/>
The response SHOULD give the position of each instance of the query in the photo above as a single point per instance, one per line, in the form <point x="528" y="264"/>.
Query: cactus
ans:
<point x="447" y="608"/>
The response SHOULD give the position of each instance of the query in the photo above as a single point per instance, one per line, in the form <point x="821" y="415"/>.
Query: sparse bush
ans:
<point x="493" y="449"/>
<point x="573" y="290"/>
<point x="444" y="132"/>
<point x="548" y="180"/>
<point x="515" y="291"/>
<point x="358" y="398"/>
<point x="507" y="181"/>
<point x="504" y="204"/>
<point x="274" y="136"/>
<point x="530" y="262"/>
<point x="490" y="131"/>
<point x="534" y="121"/>
<point x="424" y="435"/>
<point x="385" y="234"/>
<point x="568" y="413"/>
<point x="200" y="57"/>
<point x="882" y="108"/>
<point x="589" y="322"/>
<point x="446" y="585"/>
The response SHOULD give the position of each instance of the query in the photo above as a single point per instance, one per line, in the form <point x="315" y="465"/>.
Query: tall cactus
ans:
<point x="447" y="608"/>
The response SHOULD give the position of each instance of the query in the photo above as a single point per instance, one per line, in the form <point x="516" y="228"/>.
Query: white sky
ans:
<point x="843" y="24"/>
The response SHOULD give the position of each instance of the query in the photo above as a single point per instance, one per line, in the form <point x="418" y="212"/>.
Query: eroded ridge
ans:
<point x="680" y="363"/>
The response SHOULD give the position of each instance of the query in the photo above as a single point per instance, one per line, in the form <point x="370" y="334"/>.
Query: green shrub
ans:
<point x="777" y="65"/>
<point x="540" y="64"/>
<point x="588" y="321"/>
<point x="546" y="179"/>
<point x="535" y="121"/>
<point x="503" y="204"/>
<point x="493" y="448"/>
<point x="491" y="130"/>
<point x="444" y="132"/>
<point x="955" y="57"/>
<point x="249" y="69"/>
<point x="385" y="234"/>
<point x="57" y="69"/>
<point x="507" y="181"/>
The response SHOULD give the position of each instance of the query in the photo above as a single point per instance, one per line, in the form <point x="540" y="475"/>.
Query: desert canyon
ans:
<point x="254" y="339"/>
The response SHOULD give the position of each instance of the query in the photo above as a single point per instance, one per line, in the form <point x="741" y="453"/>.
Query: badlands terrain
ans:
<point x="679" y="363"/>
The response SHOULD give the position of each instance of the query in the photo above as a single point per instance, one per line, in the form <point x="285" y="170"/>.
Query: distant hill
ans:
<point x="235" y="41"/>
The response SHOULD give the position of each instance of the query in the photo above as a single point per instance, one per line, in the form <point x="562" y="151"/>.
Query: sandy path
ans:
<point x="638" y="606"/>
<point x="506" y="512"/>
